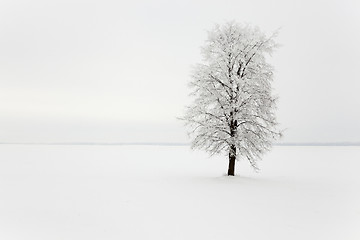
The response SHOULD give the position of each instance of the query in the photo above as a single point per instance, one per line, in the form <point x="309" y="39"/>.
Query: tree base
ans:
<point x="231" y="170"/>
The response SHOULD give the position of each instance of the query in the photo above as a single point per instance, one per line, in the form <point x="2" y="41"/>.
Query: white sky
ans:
<point x="117" y="71"/>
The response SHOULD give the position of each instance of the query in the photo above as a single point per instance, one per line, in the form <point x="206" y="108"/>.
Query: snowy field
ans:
<point x="50" y="192"/>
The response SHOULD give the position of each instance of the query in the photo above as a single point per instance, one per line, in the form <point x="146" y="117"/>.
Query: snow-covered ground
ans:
<point x="170" y="192"/>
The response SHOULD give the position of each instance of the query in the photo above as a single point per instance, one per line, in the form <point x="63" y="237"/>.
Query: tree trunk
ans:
<point x="232" y="158"/>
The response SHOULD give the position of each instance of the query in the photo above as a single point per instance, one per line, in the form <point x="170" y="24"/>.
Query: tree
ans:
<point x="233" y="107"/>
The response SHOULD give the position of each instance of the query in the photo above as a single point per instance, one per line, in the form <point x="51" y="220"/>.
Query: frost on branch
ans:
<point x="233" y="107"/>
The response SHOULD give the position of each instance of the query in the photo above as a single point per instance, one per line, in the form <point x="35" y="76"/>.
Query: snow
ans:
<point x="170" y="192"/>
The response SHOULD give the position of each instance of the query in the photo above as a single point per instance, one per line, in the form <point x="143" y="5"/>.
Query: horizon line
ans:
<point x="176" y="143"/>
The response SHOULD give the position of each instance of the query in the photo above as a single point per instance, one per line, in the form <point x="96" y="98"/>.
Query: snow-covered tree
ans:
<point x="233" y="107"/>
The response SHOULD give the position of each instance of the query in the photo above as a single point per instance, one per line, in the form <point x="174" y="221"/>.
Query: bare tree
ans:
<point x="233" y="107"/>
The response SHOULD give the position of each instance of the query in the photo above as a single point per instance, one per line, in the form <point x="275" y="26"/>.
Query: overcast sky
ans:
<point x="117" y="71"/>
